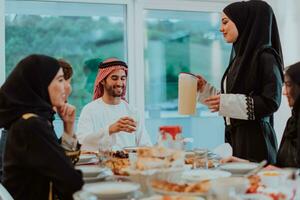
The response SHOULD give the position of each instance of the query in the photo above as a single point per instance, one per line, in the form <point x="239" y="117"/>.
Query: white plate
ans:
<point x="159" y="197"/>
<point x="172" y="193"/>
<point x="204" y="174"/>
<point x="254" y="197"/>
<point x="238" y="167"/>
<point x="100" y="177"/>
<point x="90" y="170"/>
<point x="112" y="190"/>
<point x="86" y="157"/>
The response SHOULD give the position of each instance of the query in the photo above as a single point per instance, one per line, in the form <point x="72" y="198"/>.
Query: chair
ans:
<point x="4" y="194"/>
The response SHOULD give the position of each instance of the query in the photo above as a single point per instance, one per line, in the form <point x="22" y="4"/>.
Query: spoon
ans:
<point x="257" y="169"/>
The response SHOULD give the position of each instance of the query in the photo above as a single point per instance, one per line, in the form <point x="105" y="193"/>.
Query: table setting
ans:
<point x="161" y="173"/>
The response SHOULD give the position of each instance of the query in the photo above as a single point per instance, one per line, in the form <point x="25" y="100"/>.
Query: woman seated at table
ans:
<point x="35" y="165"/>
<point x="289" y="150"/>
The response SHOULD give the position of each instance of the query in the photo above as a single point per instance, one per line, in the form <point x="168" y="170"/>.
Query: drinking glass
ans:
<point x="135" y="116"/>
<point x="200" y="158"/>
<point x="104" y="154"/>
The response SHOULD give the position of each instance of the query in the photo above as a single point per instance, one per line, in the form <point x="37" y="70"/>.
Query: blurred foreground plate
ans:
<point x="159" y="197"/>
<point x="90" y="170"/>
<point x="204" y="174"/>
<point x="112" y="190"/>
<point x="238" y="167"/>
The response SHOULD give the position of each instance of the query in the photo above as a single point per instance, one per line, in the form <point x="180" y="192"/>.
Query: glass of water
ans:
<point x="135" y="116"/>
<point x="200" y="158"/>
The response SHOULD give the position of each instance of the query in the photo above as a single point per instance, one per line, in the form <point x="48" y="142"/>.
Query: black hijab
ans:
<point x="26" y="89"/>
<point x="258" y="32"/>
<point x="293" y="71"/>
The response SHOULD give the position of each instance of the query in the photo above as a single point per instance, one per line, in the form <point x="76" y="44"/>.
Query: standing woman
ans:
<point x="289" y="150"/>
<point x="252" y="83"/>
<point x="35" y="165"/>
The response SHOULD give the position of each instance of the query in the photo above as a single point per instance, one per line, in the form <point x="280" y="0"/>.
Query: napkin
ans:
<point x="223" y="150"/>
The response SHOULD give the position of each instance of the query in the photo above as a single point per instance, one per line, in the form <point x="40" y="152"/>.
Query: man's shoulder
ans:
<point x="126" y="104"/>
<point x="92" y="105"/>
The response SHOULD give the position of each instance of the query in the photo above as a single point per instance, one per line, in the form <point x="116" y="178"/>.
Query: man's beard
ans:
<point x="111" y="91"/>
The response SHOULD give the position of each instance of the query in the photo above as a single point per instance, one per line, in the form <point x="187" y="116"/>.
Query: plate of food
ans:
<point x="181" y="188"/>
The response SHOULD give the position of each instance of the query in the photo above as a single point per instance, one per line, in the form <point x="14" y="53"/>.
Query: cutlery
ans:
<point x="257" y="169"/>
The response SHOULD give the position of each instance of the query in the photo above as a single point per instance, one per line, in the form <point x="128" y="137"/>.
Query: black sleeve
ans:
<point x="269" y="98"/>
<point x="298" y="139"/>
<point x="47" y="157"/>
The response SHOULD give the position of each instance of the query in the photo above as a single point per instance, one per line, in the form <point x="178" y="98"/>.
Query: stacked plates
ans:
<point x="93" y="173"/>
<point x="87" y="159"/>
<point x="112" y="190"/>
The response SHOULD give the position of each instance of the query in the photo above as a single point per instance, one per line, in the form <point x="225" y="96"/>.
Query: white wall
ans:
<point x="289" y="27"/>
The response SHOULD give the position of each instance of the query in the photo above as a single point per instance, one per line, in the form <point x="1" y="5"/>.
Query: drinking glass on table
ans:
<point x="200" y="158"/>
<point x="135" y="116"/>
<point x="104" y="154"/>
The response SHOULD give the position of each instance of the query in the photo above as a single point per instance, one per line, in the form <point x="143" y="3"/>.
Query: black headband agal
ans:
<point x="112" y="63"/>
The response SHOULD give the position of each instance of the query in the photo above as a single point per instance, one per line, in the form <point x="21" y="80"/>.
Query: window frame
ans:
<point x="168" y="5"/>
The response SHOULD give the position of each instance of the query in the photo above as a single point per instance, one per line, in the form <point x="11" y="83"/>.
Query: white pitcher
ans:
<point x="187" y="93"/>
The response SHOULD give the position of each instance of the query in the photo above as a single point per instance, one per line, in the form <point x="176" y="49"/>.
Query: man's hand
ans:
<point x="126" y="124"/>
<point x="201" y="83"/>
<point x="67" y="113"/>
<point x="213" y="103"/>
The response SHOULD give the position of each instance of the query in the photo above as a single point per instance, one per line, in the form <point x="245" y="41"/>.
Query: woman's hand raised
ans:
<point x="201" y="83"/>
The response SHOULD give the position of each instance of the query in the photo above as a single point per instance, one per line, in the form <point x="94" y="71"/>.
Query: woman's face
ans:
<point x="290" y="90"/>
<point x="229" y="30"/>
<point x="56" y="89"/>
<point x="68" y="88"/>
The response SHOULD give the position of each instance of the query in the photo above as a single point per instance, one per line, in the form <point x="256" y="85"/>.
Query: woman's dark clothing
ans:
<point x="255" y="140"/>
<point x="33" y="157"/>
<point x="289" y="153"/>
<point x="255" y="70"/>
<point x="289" y="150"/>
<point x="2" y="146"/>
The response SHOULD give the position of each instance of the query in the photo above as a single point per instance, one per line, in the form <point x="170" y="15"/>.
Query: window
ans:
<point x="80" y="33"/>
<point x="180" y="41"/>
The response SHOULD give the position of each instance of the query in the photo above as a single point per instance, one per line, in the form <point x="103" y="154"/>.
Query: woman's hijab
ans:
<point x="293" y="71"/>
<point x="258" y="32"/>
<point x="26" y="89"/>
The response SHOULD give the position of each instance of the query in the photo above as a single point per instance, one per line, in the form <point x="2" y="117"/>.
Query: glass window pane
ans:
<point x="76" y="32"/>
<point x="178" y="41"/>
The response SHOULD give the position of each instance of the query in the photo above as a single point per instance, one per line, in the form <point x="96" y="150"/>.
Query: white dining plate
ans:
<point x="90" y="170"/>
<point x="159" y="197"/>
<point x="238" y="167"/>
<point x="172" y="193"/>
<point x="204" y="174"/>
<point x="86" y="157"/>
<point x="112" y="190"/>
<point x="99" y="177"/>
<point x="254" y="197"/>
